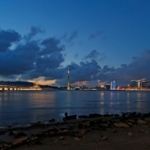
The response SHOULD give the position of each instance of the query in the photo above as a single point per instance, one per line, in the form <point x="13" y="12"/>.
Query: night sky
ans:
<point x="98" y="40"/>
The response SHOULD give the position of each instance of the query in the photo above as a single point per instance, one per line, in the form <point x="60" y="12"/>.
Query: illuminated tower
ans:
<point x="68" y="85"/>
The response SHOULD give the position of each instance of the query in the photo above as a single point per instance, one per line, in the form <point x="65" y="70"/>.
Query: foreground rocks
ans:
<point x="76" y="130"/>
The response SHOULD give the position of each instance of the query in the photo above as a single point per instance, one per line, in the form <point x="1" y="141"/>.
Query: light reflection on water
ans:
<point x="32" y="106"/>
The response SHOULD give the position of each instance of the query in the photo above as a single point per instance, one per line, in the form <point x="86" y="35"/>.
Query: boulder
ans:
<point x="121" y="125"/>
<point x="20" y="141"/>
<point x="77" y="139"/>
<point x="142" y="122"/>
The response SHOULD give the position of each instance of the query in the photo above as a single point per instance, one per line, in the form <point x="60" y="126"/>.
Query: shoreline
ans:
<point x="87" y="131"/>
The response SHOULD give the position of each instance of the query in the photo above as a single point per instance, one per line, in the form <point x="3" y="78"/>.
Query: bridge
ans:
<point x="18" y="88"/>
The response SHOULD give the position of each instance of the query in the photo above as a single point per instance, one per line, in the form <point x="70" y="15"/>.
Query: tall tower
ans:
<point x="68" y="85"/>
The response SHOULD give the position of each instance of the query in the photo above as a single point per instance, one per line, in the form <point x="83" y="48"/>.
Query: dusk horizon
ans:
<point x="98" y="41"/>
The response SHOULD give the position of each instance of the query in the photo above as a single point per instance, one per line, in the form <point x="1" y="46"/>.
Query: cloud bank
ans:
<point x="27" y="58"/>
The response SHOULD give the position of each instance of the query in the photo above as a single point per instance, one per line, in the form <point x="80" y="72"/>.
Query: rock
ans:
<point x="104" y="125"/>
<point x="27" y="126"/>
<point x="52" y="128"/>
<point x="5" y="146"/>
<point x="113" y="130"/>
<point x="147" y="119"/>
<point x="65" y="131"/>
<point x="60" y="138"/>
<point x="130" y="134"/>
<point x="52" y="133"/>
<point x="129" y="123"/>
<point x="143" y="131"/>
<point x="131" y="120"/>
<point x="65" y="143"/>
<point x="71" y="117"/>
<point x="11" y="133"/>
<point x="121" y="125"/>
<point x="86" y="123"/>
<point x="83" y="132"/>
<point x="82" y="116"/>
<point x="145" y="125"/>
<point x="103" y="138"/>
<point x="96" y="141"/>
<point x="143" y="122"/>
<point x="34" y="138"/>
<point x="94" y="115"/>
<point x="20" y="134"/>
<point x="37" y="125"/>
<point x="20" y="141"/>
<point x="52" y="120"/>
<point x="77" y="139"/>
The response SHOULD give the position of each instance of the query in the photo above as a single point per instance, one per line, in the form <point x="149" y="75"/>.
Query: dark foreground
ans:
<point x="96" y="132"/>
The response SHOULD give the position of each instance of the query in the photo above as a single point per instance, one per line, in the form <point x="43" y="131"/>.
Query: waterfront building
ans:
<point x="113" y="85"/>
<point x="134" y="84"/>
<point x="145" y="83"/>
<point x="107" y="86"/>
<point x="139" y="84"/>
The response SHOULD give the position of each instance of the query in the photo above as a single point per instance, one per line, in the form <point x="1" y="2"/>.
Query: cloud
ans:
<point x="42" y="59"/>
<point x="19" y="60"/>
<point x="94" y="54"/>
<point x="95" y="34"/>
<point x="32" y="59"/>
<point x="69" y="37"/>
<point x="76" y="56"/>
<point x="33" y="32"/>
<point x="135" y="70"/>
<point x="90" y="72"/>
<point x="51" y="45"/>
<point x="42" y="81"/>
<point x="80" y="72"/>
<point x="7" y="38"/>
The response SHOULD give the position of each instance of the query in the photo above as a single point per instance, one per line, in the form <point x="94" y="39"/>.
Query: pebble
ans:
<point x="130" y="134"/>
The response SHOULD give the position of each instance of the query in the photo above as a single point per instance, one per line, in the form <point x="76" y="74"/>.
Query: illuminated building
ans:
<point x="143" y="83"/>
<point x="68" y="85"/>
<point x="113" y="85"/>
<point x="133" y="84"/>
<point x="138" y="83"/>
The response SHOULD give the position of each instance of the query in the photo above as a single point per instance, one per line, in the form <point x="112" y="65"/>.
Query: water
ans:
<point x="31" y="106"/>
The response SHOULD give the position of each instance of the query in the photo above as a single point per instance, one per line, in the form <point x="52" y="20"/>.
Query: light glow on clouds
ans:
<point x="42" y="81"/>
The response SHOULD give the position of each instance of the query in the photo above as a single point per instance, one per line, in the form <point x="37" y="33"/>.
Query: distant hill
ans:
<point x="16" y="83"/>
<point x="30" y="84"/>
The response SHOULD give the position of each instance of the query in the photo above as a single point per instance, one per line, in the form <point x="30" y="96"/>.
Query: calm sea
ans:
<point x="21" y="107"/>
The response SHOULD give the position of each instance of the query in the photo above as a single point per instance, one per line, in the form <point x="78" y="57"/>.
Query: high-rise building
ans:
<point x="143" y="83"/>
<point x="113" y="85"/>
<point x="133" y="84"/>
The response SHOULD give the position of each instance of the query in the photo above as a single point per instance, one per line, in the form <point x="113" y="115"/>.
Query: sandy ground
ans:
<point x="135" y="138"/>
<point x="86" y="135"/>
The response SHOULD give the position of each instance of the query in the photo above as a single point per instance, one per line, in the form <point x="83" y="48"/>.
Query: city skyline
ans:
<point x="99" y="41"/>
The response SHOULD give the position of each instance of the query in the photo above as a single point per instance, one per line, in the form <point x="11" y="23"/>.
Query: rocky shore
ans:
<point x="94" y="131"/>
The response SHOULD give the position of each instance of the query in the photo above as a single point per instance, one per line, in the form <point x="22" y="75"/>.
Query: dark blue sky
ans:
<point x="99" y="40"/>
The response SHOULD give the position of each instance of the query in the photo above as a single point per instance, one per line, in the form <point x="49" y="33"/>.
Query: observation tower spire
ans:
<point x="68" y="85"/>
